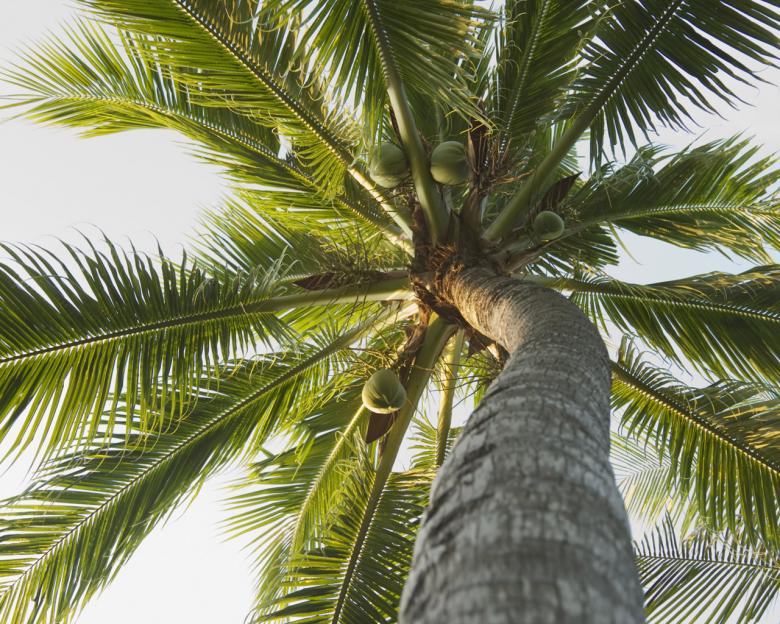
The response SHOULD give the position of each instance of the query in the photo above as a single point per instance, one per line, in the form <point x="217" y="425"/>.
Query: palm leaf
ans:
<point x="721" y="324"/>
<point x="720" y="442"/>
<point x="89" y="81"/>
<point x="537" y="46"/>
<point x="714" y="196"/>
<point x="651" y="60"/>
<point x="72" y="337"/>
<point x="705" y="579"/>
<point x="370" y="590"/>
<point x="425" y="42"/>
<point x="225" y="51"/>
<point x="105" y="499"/>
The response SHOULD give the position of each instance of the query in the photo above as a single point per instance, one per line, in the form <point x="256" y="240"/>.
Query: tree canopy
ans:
<point x="135" y="378"/>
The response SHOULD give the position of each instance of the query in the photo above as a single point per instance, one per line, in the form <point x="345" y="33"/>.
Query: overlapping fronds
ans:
<point x="720" y="324"/>
<point x="720" y="442"/>
<point x="75" y="338"/>
<point x="644" y="477"/>
<point x="102" y="84"/>
<point x="652" y="62"/>
<point x="322" y="587"/>
<point x="705" y="578"/>
<point x="426" y="442"/>
<point x="426" y="40"/>
<point x="537" y="42"/>
<point x="260" y="231"/>
<point x="137" y="378"/>
<point x="288" y="501"/>
<point x="64" y="538"/>
<point x="226" y="54"/>
<point x="719" y="195"/>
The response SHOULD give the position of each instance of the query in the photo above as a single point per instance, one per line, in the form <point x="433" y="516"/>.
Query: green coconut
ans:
<point x="449" y="163"/>
<point x="387" y="165"/>
<point x="548" y="225"/>
<point x="384" y="393"/>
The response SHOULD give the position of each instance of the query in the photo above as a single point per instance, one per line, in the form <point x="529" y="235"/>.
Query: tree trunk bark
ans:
<point x="526" y="524"/>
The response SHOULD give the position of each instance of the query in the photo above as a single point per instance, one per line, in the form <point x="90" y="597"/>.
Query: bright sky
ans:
<point x="141" y="185"/>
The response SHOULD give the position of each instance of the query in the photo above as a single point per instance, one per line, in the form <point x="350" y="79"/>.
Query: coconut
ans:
<point x="384" y="393"/>
<point x="387" y="165"/>
<point x="548" y="225"/>
<point x="449" y="163"/>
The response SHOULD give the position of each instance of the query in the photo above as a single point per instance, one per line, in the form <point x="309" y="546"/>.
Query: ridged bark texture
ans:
<point x="526" y="524"/>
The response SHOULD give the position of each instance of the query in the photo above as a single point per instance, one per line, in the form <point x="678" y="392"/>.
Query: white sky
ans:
<point x="141" y="185"/>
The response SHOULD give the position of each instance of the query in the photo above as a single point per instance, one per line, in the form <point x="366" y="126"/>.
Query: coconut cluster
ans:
<point x="388" y="166"/>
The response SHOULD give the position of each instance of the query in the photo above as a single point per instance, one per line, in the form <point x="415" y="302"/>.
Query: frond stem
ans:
<point x="384" y="290"/>
<point x="436" y="337"/>
<point x="521" y="202"/>
<point x="451" y="363"/>
<point x="624" y="376"/>
<point x="436" y="215"/>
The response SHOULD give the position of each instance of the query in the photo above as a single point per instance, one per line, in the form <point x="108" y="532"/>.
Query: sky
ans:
<point x="144" y="187"/>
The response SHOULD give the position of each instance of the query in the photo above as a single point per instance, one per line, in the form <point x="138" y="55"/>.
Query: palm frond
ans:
<point x="646" y="478"/>
<point x="713" y="196"/>
<point x="650" y="61"/>
<point x="720" y="324"/>
<point x="334" y="480"/>
<point x="105" y="499"/>
<point x="425" y="41"/>
<point x="225" y="51"/>
<point x="103" y="84"/>
<point x="705" y="578"/>
<point x="720" y="442"/>
<point x="537" y="42"/>
<point x="323" y="589"/>
<point x="74" y="339"/>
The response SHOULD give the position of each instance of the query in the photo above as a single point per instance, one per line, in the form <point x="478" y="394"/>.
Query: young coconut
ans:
<point x="387" y="165"/>
<point x="384" y="393"/>
<point x="548" y="225"/>
<point x="449" y="163"/>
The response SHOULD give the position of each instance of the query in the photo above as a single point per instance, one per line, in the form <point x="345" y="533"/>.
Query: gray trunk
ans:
<point x="526" y="524"/>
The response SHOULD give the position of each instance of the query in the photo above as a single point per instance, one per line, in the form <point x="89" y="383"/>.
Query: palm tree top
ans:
<point x="134" y="378"/>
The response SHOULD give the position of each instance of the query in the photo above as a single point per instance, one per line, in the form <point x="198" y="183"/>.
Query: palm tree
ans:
<point x="133" y="379"/>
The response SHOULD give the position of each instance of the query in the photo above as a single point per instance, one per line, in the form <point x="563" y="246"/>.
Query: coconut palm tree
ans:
<point x="408" y="197"/>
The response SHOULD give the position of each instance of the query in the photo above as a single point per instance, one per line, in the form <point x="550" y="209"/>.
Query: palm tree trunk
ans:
<point x="526" y="524"/>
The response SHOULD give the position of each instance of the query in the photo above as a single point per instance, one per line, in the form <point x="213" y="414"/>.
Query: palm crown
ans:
<point x="134" y="378"/>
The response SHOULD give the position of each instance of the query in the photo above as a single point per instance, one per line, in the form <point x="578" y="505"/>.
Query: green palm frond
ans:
<point x="224" y="51"/>
<point x="106" y="498"/>
<point x="650" y="61"/>
<point x="288" y="500"/>
<point x="326" y="589"/>
<point x="426" y="41"/>
<point x="73" y="339"/>
<point x="103" y="84"/>
<point x="705" y="578"/>
<point x="329" y="496"/>
<point x="297" y="485"/>
<point x="256" y="229"/>
<point x="713" y="196"/>
<point x="647" y="60"/>
<point x="537" y="46"/>
<point x="427" y="443"/>
<point x="644" y="476"/>
<point x="719" y="324"/>
<point x="720" y="442"/>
